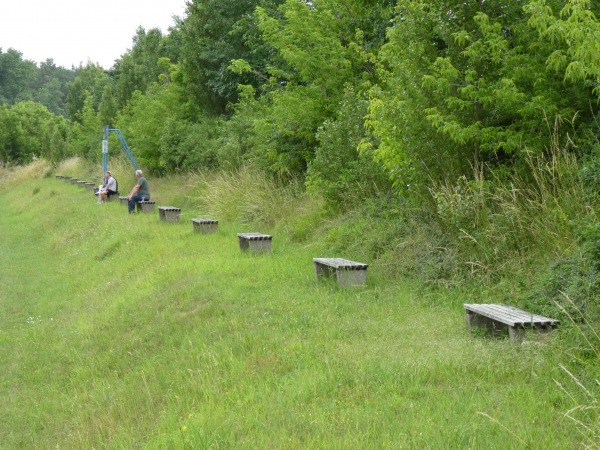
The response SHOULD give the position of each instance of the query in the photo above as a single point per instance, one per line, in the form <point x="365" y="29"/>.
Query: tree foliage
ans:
<point x="30" y="131"/>
<point x="466" y="89"/>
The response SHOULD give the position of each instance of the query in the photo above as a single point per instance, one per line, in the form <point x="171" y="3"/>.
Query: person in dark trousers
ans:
<point x="140" y="192"/>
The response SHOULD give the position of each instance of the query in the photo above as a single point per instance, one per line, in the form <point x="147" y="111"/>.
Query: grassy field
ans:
<point x="123" y="332"/>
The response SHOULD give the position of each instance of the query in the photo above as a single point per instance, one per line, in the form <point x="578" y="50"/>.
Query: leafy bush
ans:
<point x="338" y="172"/>
<point x="188" y="146"/>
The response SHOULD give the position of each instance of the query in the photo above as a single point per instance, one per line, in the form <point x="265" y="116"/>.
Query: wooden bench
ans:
<point x="256" y="242"/>
<point x="90" y="186"/>
<point x="169" y="213"/>
<point x="495" y="317"/>
<point x="71" y="180"/>
<point x="144" y="206"/>
<point x="347" y="273"/>
<point x="59" y="177"/>
<point x="205" y="226"/>
<point x="81" y="183"/>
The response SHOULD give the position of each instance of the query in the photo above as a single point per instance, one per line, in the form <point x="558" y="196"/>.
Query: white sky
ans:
<point x="75" y="31"/>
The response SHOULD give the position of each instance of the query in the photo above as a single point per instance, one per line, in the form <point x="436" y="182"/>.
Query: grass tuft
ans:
<point x="247" y="196"/>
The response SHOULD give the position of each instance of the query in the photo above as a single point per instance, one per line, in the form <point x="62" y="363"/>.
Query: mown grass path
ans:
<point x="121" y="331"/>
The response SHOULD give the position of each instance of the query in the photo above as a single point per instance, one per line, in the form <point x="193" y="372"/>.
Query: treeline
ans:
<point x="349" y="95"/>
<point x="22" y="80"/>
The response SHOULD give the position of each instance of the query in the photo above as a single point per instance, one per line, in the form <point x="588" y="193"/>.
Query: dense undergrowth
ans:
<point x="242" y="334"/>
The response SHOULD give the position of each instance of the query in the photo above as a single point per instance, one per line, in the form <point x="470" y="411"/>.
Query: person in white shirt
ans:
<point x="110" y="187"/>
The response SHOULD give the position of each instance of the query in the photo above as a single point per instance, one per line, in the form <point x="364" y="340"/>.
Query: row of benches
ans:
<point x="347" y="273"/>
<point x="492" y="317"/>
<point x="81" y="183"/>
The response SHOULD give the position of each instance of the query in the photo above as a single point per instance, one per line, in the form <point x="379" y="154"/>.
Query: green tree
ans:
<point x="214" y="33"/>
<point x="10" y="134"/>
<point x="143" y="122"/>
<point x="89" y="82"/>
<point x="107" y="110"/>
<point x="51" y="86"/>
<point x="85" y="136"/>
<point x="137" y="69"/>
<point x="464" y="89"/>
<point x="576" y="29"/>
<point x="51" y="96"/>
<point x="17" y="77"/>
<point x="54" y="139"/>
<point x="24" y="127"/>
<point x="321" y="49"/>
<point x="339" y="172"/>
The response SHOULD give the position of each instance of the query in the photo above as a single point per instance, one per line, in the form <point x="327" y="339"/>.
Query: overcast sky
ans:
<point x="75" y="31"/>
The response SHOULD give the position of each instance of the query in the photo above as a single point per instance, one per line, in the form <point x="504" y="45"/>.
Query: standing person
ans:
<point x="140" y="192"/>
<point x="110" y="187"/>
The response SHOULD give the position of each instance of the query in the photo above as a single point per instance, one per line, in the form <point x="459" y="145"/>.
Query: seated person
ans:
<point x="139" y="192"/>
<point x="110" y="188"/>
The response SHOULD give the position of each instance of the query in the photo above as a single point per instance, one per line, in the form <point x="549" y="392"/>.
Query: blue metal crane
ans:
<point x="123" y="144"/>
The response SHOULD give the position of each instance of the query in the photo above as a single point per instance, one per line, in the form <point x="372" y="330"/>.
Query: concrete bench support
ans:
<point x="169" y="213"/>
<point x="255" y="242"/>
<point x="205" y="226"/>
<point x="123" y="200"/>
<point x="347" y="273"/>
<point x="143" y="206"/>
<point x="90" y="186"/>
<point x="494" y="317"/>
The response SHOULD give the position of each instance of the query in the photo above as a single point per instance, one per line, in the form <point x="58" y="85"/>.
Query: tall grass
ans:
<point x="249" y="196"/>
<point x="19" y="174"/>
<point x="503" y="226"/>
<point x="582" y="388"/>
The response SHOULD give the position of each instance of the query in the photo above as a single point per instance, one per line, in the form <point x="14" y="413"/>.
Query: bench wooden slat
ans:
<point x="169" y="213"/>
<point x="255" y="242"/>
<point x="146" y="206"/>
<point x="253" y="236"/>
<point x="347" y="273"/>
<point x="496" y="317"/>
<point x="204" y="225"/>
<point x="510" y="315"/>
<point x="341" y="263"/>
<point x="502" y="313"/>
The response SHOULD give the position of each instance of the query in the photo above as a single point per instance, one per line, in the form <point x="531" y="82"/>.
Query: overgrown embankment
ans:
<point x="120" y="331"/>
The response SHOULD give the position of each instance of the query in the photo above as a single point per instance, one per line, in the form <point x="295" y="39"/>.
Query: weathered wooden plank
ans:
<point x="510" y="315"/>
<point x="347" y="273"/>
<point x="256" y="242"/>
<point x="253" y="236"/>
<point x="341" y="263"/>
<point x="169" y="213"/>
<point x="205" y="226"/>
